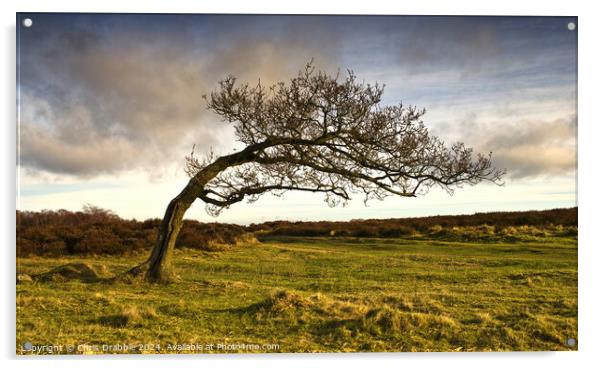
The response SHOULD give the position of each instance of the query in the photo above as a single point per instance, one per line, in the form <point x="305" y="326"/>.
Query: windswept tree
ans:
<point x="317" y="133"/>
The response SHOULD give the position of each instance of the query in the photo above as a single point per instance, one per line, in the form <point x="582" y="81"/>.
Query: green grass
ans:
<point x="319" y="295"/>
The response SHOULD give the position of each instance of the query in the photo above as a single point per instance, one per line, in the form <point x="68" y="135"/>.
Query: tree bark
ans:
<point x="157" y="268"/>
<point x="159" y="262"/>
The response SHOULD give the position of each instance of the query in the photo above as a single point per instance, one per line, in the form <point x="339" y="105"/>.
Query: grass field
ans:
<point x="315" y="295"/>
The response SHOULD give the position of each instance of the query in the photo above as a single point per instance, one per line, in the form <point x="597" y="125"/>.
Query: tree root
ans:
<point x="143" y="273"/>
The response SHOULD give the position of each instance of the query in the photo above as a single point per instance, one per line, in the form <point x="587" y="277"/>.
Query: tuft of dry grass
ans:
<point x="129" y="316"/>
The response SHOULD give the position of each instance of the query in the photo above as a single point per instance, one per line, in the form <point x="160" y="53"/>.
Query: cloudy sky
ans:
<point x="110" y="104"/>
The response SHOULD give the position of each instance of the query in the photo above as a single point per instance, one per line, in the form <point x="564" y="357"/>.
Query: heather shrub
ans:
<point x="98" y="231"/>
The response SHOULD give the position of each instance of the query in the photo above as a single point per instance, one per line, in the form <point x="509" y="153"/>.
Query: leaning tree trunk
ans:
<point x="159" y="262"/>
<point x="157" y="268"/>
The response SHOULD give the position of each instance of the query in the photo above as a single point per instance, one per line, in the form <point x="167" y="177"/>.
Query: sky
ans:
<point x="110" y="104"/>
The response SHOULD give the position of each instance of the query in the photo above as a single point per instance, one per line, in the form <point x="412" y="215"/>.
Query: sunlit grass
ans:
<point x="320" y="294"/>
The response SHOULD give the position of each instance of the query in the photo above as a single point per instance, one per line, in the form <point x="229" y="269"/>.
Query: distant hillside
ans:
<point x="99" y="231"/>
<point x="565" y="217"/>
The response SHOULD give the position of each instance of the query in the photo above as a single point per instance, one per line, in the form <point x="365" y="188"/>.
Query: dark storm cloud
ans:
<point x="452" y="42"/>
<point x="490" y="45"/>
<point x="116" y="96"/>
<point x="108" y="93"/>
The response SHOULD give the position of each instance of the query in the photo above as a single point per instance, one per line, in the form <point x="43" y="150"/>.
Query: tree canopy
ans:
<point x="317" y="133"/>
<point x="328" y="134"/>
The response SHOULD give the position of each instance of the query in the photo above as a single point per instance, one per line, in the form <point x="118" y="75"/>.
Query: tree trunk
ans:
<point x="159" y="262"/>
<point x="157" y="268"/>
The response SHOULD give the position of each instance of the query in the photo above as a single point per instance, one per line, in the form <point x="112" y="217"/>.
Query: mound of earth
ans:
<point x="73" y="271"/>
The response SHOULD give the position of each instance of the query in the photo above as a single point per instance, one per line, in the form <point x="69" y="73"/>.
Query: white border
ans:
<point x="589" y="185"/>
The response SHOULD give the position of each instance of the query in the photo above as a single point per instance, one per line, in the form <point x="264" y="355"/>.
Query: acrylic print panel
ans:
<point x="279" y="183"/>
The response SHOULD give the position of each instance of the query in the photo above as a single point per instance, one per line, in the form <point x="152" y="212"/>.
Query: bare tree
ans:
<point x="317" y="133"/>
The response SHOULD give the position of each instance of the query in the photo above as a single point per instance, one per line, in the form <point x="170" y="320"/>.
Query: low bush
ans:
<point x="480" y="226"/>
<point x="98" y="231"/>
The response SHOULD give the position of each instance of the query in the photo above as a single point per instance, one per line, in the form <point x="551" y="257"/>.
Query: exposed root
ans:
<point x="142" y="273"/>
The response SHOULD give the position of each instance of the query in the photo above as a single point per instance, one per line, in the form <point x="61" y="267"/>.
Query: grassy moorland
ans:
<point x="509" y="291"/>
